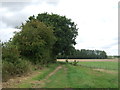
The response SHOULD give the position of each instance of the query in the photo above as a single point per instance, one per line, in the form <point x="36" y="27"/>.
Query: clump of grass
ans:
<point x="75" y="63"/>
<point x="66" y="60"/>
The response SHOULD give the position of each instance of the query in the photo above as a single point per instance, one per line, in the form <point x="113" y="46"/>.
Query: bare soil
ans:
<point x="17" y="80"/>
<point x="89" y="60"/>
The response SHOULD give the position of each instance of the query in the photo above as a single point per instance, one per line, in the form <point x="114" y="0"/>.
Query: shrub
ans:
<point x="66" y="60"/>
<point x="15" y="69"/>
<point x="10" y="53"/>
<point x="22" y="67"/>
<point x="35" y="41"/>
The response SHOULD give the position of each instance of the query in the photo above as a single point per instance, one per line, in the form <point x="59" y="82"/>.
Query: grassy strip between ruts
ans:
<point x="101" y="65"/>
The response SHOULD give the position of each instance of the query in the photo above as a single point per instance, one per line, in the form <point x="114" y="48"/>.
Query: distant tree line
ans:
<point x="115" y="56"/>
<point x="84" y="54"/>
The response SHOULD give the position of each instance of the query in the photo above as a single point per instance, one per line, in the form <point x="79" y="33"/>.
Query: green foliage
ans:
<point x="85" y="54"/>
<point x="10" y="52"/>
<point x="22" y="67"/>
<point x="35" y="41"/>
<point x="40" y="40"/>
<point x="64" y="29"/>
<point x="7" y="70"/>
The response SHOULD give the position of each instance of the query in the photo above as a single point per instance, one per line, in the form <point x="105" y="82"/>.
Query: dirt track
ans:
<point x="89" y="60"/>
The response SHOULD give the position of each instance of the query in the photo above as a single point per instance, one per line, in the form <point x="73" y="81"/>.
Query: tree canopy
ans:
<point x="64" y="29"/>
<point x="35" y="41"/>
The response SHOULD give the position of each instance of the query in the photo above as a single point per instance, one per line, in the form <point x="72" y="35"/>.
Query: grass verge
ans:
<point x="43" y="73"/>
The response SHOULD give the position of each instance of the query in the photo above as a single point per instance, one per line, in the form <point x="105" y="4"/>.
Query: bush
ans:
<point x="15" y="69"/>
<point x="22" y="67"/>
<point x="66" y="60"/>
<point x="10" y="53"/>
<point x="35" y="41"/>
<point x="7" y="70"/>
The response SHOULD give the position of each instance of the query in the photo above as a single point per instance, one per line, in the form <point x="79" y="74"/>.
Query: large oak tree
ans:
<point x="65" y="31"/>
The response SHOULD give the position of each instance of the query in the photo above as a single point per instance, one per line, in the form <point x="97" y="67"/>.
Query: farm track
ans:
<point x="12" y="83"/>
<point x="17" y="80"/>
<point x="37" y="84"/>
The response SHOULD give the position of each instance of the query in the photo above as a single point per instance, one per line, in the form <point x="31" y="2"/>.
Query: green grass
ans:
<point x="102" y="65"/>
<point x="42" y="75"/>
<point x="45" y="72"/>
<point x="58" y="80"/>
<point x="81" y="77"/>
<point x="70" y="76"/>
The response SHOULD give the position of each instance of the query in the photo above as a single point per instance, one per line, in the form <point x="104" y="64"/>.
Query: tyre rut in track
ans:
<point x="38" y="84"/>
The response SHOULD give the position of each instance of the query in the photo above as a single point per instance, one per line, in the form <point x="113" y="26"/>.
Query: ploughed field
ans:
<point x="88" y="73"/>
<point x="88" y="60"/>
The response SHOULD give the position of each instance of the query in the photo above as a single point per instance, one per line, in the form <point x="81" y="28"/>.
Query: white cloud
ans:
<point x="7" y="33"/>
<point x="96" y="20"/>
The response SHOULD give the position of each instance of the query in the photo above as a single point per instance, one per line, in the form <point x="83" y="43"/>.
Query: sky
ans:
<point x="97" y="20"/>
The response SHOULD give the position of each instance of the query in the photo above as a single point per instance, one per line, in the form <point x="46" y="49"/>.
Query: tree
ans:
<point x="64" y="29"/>
<point x="35" y="41"/>
<point x="85" y="54"/>
<point x="103" y="54"/>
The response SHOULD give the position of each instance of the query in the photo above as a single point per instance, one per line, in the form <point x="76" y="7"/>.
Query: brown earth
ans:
<point x="17" y="80"/>
<point x="89" y="60"/>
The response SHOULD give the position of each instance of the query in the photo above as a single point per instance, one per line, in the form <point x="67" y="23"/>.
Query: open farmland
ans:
<point x="100" y="65"/>
<point x="111" y="64"/>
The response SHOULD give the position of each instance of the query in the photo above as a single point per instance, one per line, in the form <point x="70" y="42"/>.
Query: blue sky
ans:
<point x="97" y="20"/>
